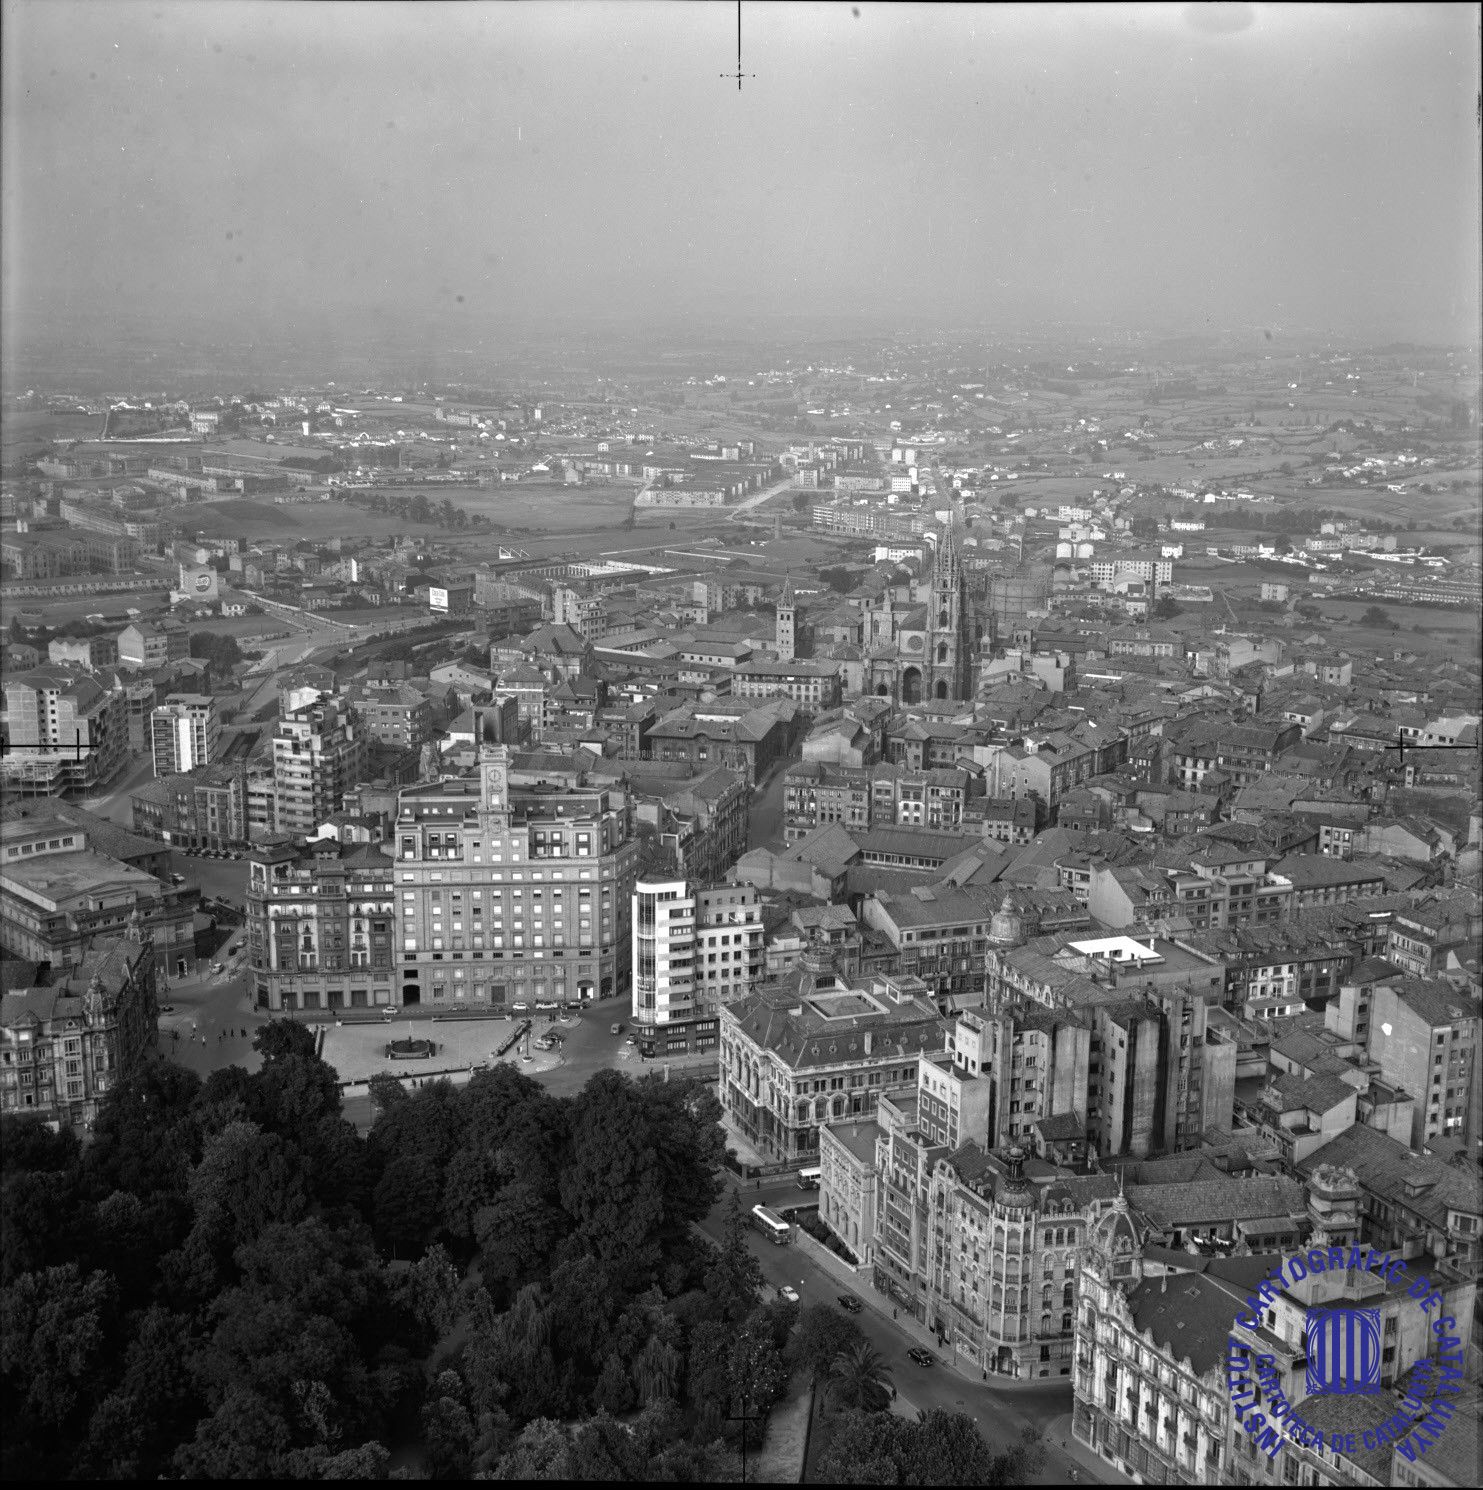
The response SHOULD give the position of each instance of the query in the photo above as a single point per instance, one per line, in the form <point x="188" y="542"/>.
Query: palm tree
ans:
<point x="859" y="1377"/>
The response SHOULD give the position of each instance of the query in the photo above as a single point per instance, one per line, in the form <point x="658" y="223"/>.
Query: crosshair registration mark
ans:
<point x="738" y="74"/>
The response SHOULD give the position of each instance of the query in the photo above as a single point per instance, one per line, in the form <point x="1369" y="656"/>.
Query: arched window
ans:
<point x="942" y="620"/>
<point x="1066" y="1296"/>
<point x="942" y="690"/>
<point x="942" y="651"/>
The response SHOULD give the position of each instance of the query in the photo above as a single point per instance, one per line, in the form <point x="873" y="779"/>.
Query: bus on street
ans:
<point x="808" y="1179"/>
<point x="771" y="1225"/>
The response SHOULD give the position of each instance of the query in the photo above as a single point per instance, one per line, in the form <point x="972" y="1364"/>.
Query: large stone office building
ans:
<point x="491" y="896"/>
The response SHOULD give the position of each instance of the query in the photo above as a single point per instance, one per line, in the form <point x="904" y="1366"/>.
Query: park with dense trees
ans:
<point x="229" y="1281"/>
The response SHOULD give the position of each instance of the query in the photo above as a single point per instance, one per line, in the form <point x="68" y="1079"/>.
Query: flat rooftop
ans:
<point x="56" y="880"/>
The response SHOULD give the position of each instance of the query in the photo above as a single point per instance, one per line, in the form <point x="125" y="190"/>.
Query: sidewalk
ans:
<point x="1090" y="1469"/>
<point x="907" y="1322"/>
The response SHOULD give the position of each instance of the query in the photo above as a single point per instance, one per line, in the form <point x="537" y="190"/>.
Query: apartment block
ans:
<point x="184" y="733"/>
<point x="319" y="753"/>
<point x="144" y="644"/>
<point x="64" y="731"/>
<point x="816" y="794"/>
<point x="693" y="951"/>
<point x="940" y="935"/>
<point x="206" y="808"/>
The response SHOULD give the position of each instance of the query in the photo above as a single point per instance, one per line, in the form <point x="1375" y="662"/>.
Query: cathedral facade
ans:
<point x="923" y="650"/>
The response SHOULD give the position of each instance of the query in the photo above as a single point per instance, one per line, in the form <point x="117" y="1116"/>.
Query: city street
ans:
<point x="114" y="803"/>
<point x="765" y="816"/>
<point x="1001" y="1412"/>
<point x="226" y="878"/>
<point x="212" y="1024"/>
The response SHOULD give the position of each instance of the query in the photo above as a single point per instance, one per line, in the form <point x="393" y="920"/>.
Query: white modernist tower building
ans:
<point x="663" y="952"/>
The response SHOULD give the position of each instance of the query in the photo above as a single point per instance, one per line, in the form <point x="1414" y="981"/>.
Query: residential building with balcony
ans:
<point x="185" y="731"/>
<point x="319" y="753"/>
<point x="206" y="808"/>
<point x="1003" y="1254"/>
<point x="816" y="794"/>
<point x="940" y="936"/>
<point x="395" y="714"/>
<point x="64" y="1045"/>
<point x="321" y="925"/>
<point x="1274" y="971"/>
<point x="1423" y="938"/>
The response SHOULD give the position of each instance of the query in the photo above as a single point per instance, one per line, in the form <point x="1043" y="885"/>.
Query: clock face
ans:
<point x="494" y="783"/>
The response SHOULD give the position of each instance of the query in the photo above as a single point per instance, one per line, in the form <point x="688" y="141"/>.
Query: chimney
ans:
<point x="869" y="1042"/>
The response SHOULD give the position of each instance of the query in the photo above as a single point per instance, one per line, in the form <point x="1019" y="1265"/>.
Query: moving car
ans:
<point x="520" y="1008"/>
<point x="632" y="1040"/>
<point x="788" y="1292"/>
<point x="167" y="1008"/>
<point x="616" y="1029"/>
<point x="921" y="1355"/>
<point x="849" y="1303"/>
<point x="218" y="967"/>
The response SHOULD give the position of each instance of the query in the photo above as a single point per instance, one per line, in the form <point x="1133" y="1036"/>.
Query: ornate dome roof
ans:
<point x="1118" y="1233"/>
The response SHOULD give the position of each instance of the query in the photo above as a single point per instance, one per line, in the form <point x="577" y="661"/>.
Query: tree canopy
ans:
<point x="229" y="1280"/>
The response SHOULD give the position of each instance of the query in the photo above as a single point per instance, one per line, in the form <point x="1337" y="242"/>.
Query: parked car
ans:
<point x="849" y="1303"/>
<point x="167" y="1008"/>
<point x="921" y="1355"/>
<point x="632" y="1040"/>
<point x="520" y="1008"/>
<point x="788" y="1292"/>
<point x="218" y="967"/>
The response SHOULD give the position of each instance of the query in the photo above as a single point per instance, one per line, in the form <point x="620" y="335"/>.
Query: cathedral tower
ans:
<point x="949" y="633"/>
<point x="784" y="639"/>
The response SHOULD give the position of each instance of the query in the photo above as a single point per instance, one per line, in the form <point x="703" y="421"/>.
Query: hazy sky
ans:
<point x="1145" y="165"/>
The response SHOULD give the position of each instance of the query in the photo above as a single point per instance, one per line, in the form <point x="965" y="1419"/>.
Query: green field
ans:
<point x="25" y="435"/>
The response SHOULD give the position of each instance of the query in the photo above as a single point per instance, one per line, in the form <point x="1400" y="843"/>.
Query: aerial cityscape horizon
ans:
<point x="741" y="742"/>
